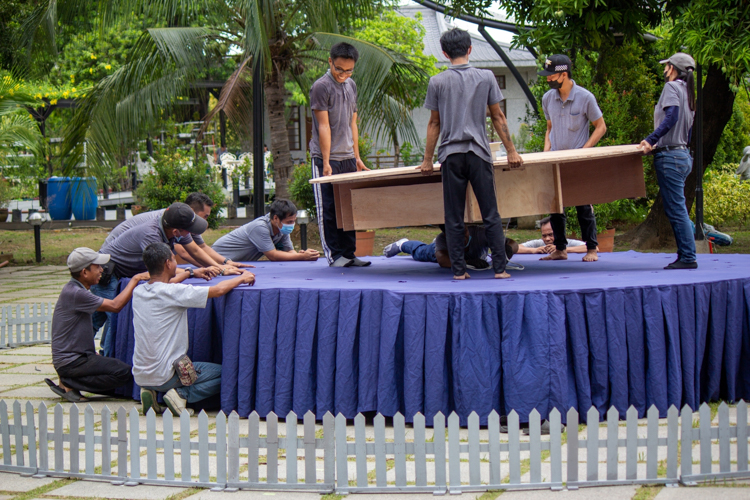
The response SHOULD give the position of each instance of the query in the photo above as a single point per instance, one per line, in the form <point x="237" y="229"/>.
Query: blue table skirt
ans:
<point x="353" y="345"/>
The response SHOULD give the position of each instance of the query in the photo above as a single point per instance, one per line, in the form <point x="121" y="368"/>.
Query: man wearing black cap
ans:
<point x="568" y="109"/>
<point x="177" y="222"/>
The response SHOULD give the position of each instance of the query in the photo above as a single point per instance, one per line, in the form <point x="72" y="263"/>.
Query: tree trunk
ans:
<point x="279" y="147"/>
<point x="718" y="99"/>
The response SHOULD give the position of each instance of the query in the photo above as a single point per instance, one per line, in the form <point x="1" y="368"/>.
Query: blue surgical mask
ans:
<point x="287" y="228"/>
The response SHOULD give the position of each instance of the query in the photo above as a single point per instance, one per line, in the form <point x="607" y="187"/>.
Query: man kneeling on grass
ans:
<point x="161" y="332"/>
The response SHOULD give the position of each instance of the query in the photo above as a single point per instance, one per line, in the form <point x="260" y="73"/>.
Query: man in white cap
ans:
<point x="74" y="356"/>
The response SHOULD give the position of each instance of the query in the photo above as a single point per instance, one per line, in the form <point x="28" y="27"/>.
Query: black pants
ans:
<point x="458" y="170"/>
<point x="586" y="220"/>
<point x="336" y="242"/>
<point x="97" y="374"/>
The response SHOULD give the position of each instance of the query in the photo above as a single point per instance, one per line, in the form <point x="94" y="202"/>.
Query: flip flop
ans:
<point x="72" y="396"/>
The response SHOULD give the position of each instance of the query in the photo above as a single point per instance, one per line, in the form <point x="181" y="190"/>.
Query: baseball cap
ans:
<point x="681" y="61"/>
<point x="556" y="63"/>
<point x="181" y="216"/>
<point x="81" y="258"/>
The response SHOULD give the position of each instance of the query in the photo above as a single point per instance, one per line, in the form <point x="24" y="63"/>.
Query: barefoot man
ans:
<point x="458" y="99"/>
<point x="569" y="109"/>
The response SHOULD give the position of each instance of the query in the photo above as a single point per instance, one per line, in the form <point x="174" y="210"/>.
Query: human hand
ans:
<point x="142" y="277"/>
<point x="427" y="168"/>
<point x="327" y="170"/>
<point x="310" y="254"/>
<point x="361" y="165"/>
<point x="248" y="278"/>
<point x="229" y="271"/>
<point x="647" y="148"/>
<point x="206" y="273"/>
<point x="514" y="159"/>
<point x="238" y="264"/>
<point x="548" y="249"/>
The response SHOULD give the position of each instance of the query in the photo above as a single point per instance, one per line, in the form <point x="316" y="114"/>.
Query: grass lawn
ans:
<point x="57" y="244"/>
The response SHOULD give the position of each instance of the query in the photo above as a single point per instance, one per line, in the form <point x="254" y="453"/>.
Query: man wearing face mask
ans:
<point x="569" y="109"/>
<point x="267" y="235"/>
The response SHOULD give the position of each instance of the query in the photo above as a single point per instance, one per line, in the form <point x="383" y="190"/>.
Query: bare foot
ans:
<point x="502" y="276"/>
<point x="591" y="256"/>
<point x="557" y="255"/>
<point x="67" y="389"/>
<point x="462" y="277"/>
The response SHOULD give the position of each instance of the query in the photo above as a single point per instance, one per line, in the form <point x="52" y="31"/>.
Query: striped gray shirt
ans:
<point x="570" y="119"/>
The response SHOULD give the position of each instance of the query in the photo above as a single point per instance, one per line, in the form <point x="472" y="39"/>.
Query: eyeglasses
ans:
<point x="343" y="71"/>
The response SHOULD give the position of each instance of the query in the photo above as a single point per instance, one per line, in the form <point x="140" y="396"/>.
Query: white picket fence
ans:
<point x="250" y="454"/>
<point x="26" y="324"/>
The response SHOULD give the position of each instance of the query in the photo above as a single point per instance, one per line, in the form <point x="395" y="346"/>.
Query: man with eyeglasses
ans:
<point x="334" y="149"/>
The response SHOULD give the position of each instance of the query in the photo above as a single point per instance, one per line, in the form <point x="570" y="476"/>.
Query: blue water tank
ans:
<point x="83" y="197"/>
<point x="58" y="198"/>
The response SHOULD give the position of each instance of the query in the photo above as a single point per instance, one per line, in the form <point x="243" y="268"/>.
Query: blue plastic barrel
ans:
<point x="83" y="197"/>
<point x="58" y="198"/>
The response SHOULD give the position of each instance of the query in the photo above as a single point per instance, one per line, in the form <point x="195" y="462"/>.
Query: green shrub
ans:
<point x="630" y="211"/>
<point x="173" y="179"/>
<point x="301" y="189"/>
<point x="725" y="196"/>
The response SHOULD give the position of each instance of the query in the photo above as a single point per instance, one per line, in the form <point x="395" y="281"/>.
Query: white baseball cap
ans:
<point x="82" y="257"/>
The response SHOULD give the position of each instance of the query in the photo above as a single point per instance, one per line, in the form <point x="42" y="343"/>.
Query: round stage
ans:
<point x="402" y="336"/>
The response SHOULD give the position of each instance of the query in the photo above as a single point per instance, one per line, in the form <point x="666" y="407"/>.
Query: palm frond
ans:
<point x="233" y="100"/>
<point x="20" y="129"/>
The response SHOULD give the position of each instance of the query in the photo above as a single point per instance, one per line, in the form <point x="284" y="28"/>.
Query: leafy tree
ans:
<point x="17" y="128"/>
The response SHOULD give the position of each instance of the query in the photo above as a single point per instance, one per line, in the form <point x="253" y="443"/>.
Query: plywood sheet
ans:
<point x="602" y="181"/>
<point x="527" y="191"/>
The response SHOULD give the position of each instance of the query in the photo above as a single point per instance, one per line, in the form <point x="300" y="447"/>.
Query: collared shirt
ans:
<point x="72" y="329"/>
<point x="139" y="219"/>
<point x="340" y="101"/>
<point x="251" y="241"/>
<point x="674" y="93"/>
<point x="570" y="119"/>
<point x="126" y="250"/>
<point x="461" y="95"/>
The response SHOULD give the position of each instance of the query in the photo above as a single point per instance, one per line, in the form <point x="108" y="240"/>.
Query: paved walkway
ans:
<point x="22" y="373"/>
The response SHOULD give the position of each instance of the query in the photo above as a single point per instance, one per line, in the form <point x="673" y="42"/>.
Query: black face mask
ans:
<point x="555" y="84"/>
<point x="666" y="77"/>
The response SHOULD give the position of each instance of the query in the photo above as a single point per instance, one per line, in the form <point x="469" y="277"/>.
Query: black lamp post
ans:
<point x="303" y="218"/>
<point x="35" y="220"/>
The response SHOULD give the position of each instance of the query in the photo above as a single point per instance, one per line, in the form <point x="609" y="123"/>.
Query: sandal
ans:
<point x="73" y="396"/>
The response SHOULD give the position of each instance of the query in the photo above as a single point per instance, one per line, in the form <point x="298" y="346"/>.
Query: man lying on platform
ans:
<point x="161" y="332"/>
<point x="476" y="249"/>
<point x="267" y="235"/>
<point x="190" y="245"/>
<point x="547" y="243"/>
<point x="74" y="356"/>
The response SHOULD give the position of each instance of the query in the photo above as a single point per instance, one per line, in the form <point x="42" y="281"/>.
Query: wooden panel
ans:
<point x="592" y="182"/>
<point x="396" y="206"/>
<point x="526" y="191"/>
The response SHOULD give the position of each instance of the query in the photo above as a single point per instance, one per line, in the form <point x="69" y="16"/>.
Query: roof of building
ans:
<point x="482" y="53"/>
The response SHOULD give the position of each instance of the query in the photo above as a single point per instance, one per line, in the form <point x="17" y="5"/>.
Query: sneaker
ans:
<point x="341" y="262"/>
<point x="678" y="264"/>
<point x="394" y="248"/>
<point x="148" y="400"/>
<point x="356" y="262"/>
<point x="175" y="403"/>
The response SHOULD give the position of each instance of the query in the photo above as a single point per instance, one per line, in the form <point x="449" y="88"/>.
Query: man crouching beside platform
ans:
<point x="458" y="99"/>
<point x="161" y="332"/>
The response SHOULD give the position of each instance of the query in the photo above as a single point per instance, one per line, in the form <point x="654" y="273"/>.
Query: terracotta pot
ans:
<point x="365" y="243"/>
<point x="606" y="240"/>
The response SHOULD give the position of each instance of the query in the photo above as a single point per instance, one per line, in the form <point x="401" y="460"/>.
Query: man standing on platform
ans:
<point x="568" y="109"/>
<point x="334" y="149"/>
<point x="458" y="99"/>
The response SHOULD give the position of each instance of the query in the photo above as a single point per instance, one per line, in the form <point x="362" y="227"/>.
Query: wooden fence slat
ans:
<point x="310" y="468"/>
<point x="234" y="448"/>
<point x="43" y="437"/>
<point x="203" y="447"/>
<point x="673" y="422"/>
<point x="18" y="433"/>
<point x="420" y="456"/>
<point x="454" y="453"/>
<point x="360" y="447"/>
<point x="106" y="441"/>
<point x="493" y="436"/>
<point x="31" y="434"/>
<point x="291" y="448"/>
<point x="272" y="448"/>
<point x="514" y="448"/>
<point x="342" y="469"/>
<point x="686" y="441"/>
<point x="167" y="423"/>
<point x="5" y="431"/>
<point x="122" y="443"/>
<point x="253" y="445"/>
<point x="535" y="447"/>
<point x="135" y="445"/>
<point x="438" y="428"/>
<point x="329" y="449"/>
<point x="221" y="449"/>
<point x="185" y="469"/>
<point x="724" y="437"/>
<point x="380" y="468"/>
<point x="592" y="444"/>
<point x="88" y="430"/>
<point x="613" y="420"/>
<point x="572" y="446"/>
<point x="475" y="475"/>
<point x="555" y="447"/>
<point x="399" y="447"/>
<point x="704" y="413"/>
<point x="652" y="442"/>
<point x="631" y="453"/>
<point x="74" y="441"/>
<point x="742" y="436"/>
<point x="58" y="437"/>
<point x="151" y="443"/>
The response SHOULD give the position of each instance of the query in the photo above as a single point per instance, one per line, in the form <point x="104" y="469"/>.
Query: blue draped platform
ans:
<point x="402" y="336"/>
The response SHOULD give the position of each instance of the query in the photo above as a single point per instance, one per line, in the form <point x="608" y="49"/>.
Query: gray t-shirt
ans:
<point x="126" y="250"/>
<point x="674" y="94"/>
<point x="540" y="243"/>
<point x="461" y="95"/>
<point x="251" y="241"/>
<point x="570" y="119"/>
<point x="72" y="328"/>
<point x="145" y="217"/>
<point x="340" y="100"/>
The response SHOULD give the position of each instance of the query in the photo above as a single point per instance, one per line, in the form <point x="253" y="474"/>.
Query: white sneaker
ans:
<point x="394" y="248"/>
<point x="176" y="403"/>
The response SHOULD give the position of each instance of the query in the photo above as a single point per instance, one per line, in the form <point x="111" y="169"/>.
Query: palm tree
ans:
<point x="17" y="127"/>
<point x="182" y="39"/>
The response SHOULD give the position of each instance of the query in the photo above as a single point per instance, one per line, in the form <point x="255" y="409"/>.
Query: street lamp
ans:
<point x="303" y="218"/>
<point x="35" y="220"/>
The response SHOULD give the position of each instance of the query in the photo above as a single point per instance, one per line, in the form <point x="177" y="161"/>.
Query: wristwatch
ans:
<point x="226" y="260"/>
<point x="192" y="273"/>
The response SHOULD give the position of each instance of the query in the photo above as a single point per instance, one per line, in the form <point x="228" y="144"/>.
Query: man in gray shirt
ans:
<point x="334" y="148"/>
<point x="73" y="353"/>
<point x="267" y="235"/>
<point x="569" y="109"/>
<point x="458" y="99"/>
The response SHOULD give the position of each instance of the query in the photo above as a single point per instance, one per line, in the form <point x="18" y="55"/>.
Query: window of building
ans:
<point x="294" y="129"/>
<point x="500" y="81"/>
